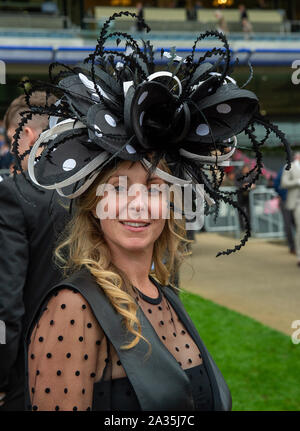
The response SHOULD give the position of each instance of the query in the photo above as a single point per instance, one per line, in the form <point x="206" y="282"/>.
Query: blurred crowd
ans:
<point x="286" y="183"/>
<point x="193" y="12"/>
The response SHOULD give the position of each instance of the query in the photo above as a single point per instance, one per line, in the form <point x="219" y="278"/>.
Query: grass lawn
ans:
<point x="260" y="365"/>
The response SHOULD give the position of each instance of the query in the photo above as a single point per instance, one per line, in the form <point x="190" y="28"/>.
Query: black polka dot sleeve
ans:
<point x="66" y="355"/>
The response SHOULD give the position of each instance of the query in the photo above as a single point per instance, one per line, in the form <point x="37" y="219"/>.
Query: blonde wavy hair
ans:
<point x="83" y="245"/>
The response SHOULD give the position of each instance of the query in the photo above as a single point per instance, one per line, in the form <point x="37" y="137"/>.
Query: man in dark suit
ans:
<point x="30" y="223"/>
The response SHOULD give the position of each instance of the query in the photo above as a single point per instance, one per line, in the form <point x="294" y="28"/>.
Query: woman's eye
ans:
<point x="120" y="189"/>
<point x="154" y="190"/>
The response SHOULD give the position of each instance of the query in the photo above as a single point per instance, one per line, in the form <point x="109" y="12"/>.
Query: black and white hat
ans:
<point x="118" y="104"/>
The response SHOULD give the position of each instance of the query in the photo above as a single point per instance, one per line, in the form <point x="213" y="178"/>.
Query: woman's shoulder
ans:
<point x="67" y="297"/>
<point x="64" y="304"/>
<point x="75" y="292"/>
<point x="76" y="281"/>
<point x="66" y="308"/>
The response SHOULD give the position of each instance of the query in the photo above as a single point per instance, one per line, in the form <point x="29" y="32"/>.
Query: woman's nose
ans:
<point x="138" y="202"/>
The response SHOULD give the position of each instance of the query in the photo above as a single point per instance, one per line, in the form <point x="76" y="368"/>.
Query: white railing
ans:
<point x="265" y="215"/>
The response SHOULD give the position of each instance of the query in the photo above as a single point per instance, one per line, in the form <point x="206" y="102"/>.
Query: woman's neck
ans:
<point x="136" y="265"/>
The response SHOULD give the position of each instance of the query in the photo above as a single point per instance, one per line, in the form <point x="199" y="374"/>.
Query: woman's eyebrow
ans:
<point x="117" y="176"/>
<point x="154" y="179"/>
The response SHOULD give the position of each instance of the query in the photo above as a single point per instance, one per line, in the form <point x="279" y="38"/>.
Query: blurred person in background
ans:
<point x="191" y="11"/>
<point x="229" y="178"/>
<point x="140" y="14"/>
<point x="33" y="128"/>
<point x="30" y="222"/>
<point x="246" y="24"/>
<point x="270" y="182"/>
<point x="221" y="22"/>
<point x="290" y="180"/>
<point x="6" y="157"/>
<point x="287" y="214"/>
<point x="243" y="179"/>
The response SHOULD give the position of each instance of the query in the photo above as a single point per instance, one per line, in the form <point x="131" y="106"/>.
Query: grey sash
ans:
<point x="221" y="392"/>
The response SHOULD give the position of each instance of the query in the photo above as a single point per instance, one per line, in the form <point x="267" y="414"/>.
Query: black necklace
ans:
<point x="146" y="298"/>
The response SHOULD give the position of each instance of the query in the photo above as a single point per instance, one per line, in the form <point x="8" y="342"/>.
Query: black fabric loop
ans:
<point x="154" y="301"/>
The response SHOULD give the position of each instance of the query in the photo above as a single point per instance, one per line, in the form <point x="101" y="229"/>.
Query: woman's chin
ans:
<point x="136" y="245"/>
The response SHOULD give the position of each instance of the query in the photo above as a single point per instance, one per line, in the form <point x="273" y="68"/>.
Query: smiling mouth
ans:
<point x="135" y="224"/>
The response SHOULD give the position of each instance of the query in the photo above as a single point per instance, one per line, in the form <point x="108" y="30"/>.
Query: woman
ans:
<point x="111" y="336"/>
<point x="73" y="363"/>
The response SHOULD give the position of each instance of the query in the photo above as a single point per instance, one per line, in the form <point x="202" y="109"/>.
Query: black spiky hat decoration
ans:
<point x="117" y="105"/>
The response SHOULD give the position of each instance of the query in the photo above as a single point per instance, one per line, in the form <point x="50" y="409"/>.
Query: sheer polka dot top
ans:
<point x="68" y="350"/>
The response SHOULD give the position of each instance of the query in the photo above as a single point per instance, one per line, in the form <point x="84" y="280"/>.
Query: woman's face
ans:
<point x="132" y="207"/>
